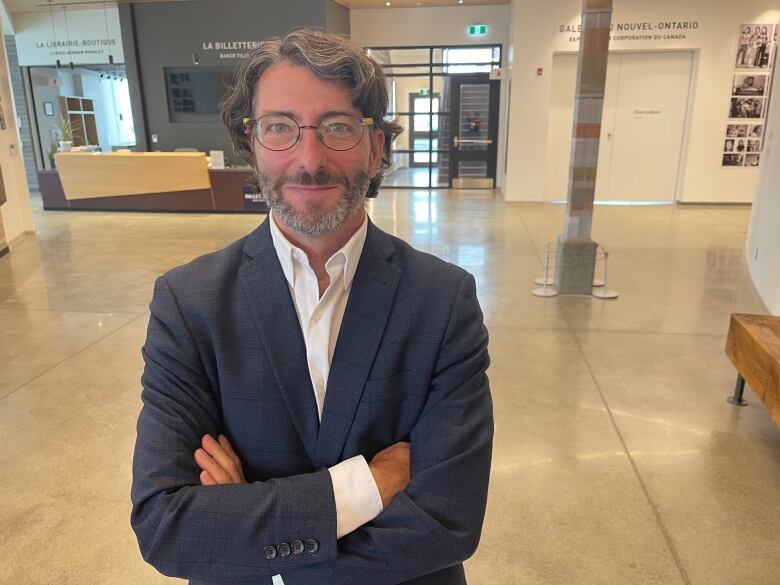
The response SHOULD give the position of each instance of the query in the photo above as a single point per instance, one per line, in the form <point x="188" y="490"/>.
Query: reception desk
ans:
<point x="146" y="181"/>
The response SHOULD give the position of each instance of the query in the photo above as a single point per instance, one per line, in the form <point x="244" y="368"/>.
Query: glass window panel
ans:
<point x="407" y="71"/>
<point x="404" y="87"/>
<point x="422" y="104"/>
<point x="474" y="115"/>
<point x="422" y="123"/>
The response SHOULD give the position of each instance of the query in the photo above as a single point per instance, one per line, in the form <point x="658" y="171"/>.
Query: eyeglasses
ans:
<point x="279" y="132"/>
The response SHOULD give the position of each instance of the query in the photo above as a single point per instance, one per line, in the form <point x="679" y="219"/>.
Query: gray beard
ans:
<point x="314" y="220"/>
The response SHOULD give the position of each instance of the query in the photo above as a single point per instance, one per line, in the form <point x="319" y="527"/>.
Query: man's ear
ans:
<point x="377" y="149"/>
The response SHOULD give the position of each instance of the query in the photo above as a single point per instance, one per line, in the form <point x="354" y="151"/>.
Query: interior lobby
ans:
<point x="616" y="457"/>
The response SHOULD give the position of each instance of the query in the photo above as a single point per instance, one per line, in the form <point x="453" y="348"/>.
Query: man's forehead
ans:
<point x="287" y="81"/>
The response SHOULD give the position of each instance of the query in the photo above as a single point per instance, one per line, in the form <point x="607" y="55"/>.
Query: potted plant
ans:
<point x="66" y="131"/>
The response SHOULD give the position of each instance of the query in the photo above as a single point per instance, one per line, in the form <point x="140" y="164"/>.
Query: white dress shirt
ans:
<point x="356" y="494"/>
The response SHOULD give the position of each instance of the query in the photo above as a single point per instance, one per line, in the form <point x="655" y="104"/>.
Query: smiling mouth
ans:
<point x="311" y="187"/>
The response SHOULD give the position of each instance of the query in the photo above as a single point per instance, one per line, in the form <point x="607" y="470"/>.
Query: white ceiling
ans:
<point x="416" y="3"/>
<point x="16" y="6"/>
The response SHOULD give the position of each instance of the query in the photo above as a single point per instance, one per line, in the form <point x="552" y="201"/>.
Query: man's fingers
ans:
<point x="207" y="463"/>
<point x="206" y="479"/>
<point x="223" y="440"/>
<point x="222" y="457"/>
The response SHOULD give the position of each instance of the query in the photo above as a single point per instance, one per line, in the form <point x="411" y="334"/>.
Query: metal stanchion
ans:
<point x="546" y="280"/>
<point x="603" y="292"/>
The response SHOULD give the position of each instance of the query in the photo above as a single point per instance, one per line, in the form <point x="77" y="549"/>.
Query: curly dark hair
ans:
<point x="328" y="56"/>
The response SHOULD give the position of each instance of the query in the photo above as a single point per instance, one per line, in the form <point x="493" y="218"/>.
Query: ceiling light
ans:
<point x="460" y="1"/>
<point x="387" y="3"/>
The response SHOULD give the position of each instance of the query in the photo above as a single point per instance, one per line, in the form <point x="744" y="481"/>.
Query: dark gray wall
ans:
<point x="337" y="17"/>
<point x="173" y="35"/>
<point x="25" y="125"/>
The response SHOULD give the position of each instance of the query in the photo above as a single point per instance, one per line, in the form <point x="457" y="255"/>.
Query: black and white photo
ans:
<point x="728" y="145"/>
<point x="752" y="160"/>
<point x="747" y="108"/>
<point x="754" y="146"/>
<point x="736" y="130"/>
<point x="756" y="131"/>
<point x="733" y="160"/>
<point x="754" y="46"/>
<point x="750" y="85"/>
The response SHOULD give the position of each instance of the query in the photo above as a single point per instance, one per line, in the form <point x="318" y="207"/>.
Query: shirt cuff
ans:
<point x="357" y="497"/>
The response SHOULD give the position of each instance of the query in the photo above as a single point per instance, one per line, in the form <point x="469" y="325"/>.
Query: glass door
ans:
<point x="474" y="123"/>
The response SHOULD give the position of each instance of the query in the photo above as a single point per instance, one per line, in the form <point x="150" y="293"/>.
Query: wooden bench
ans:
<point x="753" y="346"/>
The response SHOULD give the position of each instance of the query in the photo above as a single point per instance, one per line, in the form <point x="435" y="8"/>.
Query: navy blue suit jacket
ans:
<point x="225" y="354"/>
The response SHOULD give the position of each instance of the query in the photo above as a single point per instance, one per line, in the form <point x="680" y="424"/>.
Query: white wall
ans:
<point x="409" y="27"/>
<point x="536" y="36"/>
<point x="16" y="212"/>
<point x="390" y="27"/>
<point x="762" y="250"/>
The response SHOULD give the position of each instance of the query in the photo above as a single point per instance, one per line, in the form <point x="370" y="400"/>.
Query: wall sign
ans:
<point x="82" y="36"/>
<point x="477" y="30"/>
<point x="230" y="49"/>
<point x="749" y="92"/>
<point x="662" y="30"/>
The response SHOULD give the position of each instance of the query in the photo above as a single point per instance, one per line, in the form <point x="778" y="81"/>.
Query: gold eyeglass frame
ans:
<point x="249" y="122"/>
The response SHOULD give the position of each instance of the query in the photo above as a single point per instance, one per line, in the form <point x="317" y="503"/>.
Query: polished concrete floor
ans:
<point x="617" y="459"/>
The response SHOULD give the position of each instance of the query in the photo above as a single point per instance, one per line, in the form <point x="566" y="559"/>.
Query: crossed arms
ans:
<point x="188" y="528"/>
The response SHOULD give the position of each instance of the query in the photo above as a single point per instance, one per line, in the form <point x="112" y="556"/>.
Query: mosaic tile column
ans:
<point x="576" y="257"/>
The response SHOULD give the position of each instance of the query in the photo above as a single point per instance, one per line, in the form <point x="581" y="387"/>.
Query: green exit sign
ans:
<point x="477" y="30"/>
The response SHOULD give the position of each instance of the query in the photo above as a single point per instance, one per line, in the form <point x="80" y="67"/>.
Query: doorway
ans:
<point x="645" y="110"/>
<point x="447" y="104"/>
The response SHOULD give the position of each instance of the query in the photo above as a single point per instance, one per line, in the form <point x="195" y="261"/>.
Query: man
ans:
<point x="745" y="40"/>
<point x="748" y="87"/>
<point x="316" y="409"/>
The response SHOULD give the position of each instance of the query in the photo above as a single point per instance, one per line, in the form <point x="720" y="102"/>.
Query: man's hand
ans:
<point x="219" y="462"/>
<point x="390" y="468"/>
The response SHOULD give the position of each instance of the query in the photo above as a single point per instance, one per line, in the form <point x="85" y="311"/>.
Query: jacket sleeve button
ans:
<point x="284" y="550"/>
<point x="297" y="547"/>
<point x="269" y="552"/>
<point x="312" y="546"/>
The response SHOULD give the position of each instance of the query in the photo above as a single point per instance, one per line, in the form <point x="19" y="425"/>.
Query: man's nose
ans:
<point x="311" y="152"/>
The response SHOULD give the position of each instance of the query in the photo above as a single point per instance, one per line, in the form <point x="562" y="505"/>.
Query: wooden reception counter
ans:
<point x="145" y="181"/>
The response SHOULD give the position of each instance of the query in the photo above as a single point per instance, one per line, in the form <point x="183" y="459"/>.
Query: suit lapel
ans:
<point x="270" y="303"/>
<point x="365" y="318"/>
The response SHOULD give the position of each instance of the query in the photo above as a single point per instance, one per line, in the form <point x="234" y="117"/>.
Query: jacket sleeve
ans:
<point x="210" y="533"/>
<point x="436" y="522"/>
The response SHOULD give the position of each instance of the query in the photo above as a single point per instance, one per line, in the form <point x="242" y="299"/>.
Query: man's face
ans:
<point x="749" y="81"/>
<point x="312" y="189"/>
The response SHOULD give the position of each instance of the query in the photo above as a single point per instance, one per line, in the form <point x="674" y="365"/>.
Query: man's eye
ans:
<point x="339" y="128"/>
<point x="278" y="128"/>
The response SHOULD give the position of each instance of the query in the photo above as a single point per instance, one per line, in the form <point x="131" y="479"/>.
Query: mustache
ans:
<point x="321" y="177"/>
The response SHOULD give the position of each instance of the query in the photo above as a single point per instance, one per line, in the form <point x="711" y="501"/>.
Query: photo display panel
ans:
<point x="751" y="85"/>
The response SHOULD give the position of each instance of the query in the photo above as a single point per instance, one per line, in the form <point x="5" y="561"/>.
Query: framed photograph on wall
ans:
<point x="755" y="131"/>
<point x="750" y="85"/>
<point x="747" y="108"/>
<point x="755" y="45"/>
<point x="736" y="130"/>
<point x="733" y="160"/>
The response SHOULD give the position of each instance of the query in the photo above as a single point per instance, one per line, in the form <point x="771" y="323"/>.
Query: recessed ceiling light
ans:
<point x="460" y="1"/>
<point x="387" y="3"/>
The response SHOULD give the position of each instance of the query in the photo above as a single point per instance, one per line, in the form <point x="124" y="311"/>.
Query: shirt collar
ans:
<point x="288" y="253"/>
